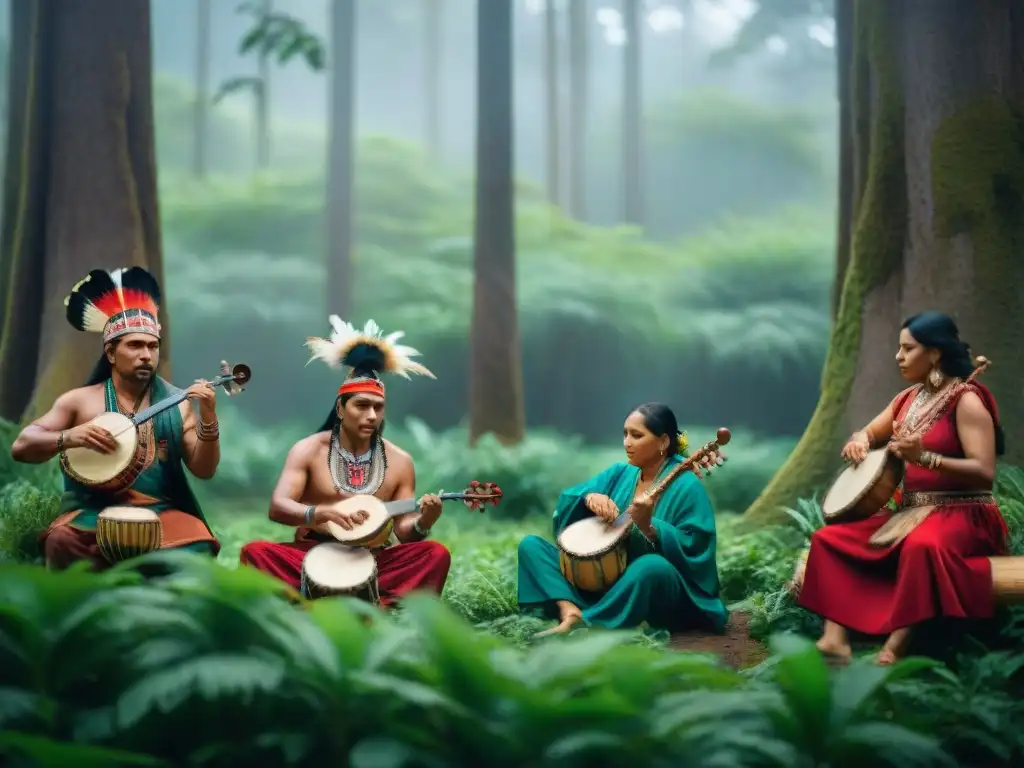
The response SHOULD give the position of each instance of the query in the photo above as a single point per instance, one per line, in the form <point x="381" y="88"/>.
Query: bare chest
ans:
<point x="321" y="487"/>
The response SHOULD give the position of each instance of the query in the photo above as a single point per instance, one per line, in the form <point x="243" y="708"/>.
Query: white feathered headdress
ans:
<point x="366" y="351"/>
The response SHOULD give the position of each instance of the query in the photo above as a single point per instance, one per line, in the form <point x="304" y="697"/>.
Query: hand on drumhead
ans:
<point x="347" y="520"/>
<point x="908" y="449"/>
<point x="90" y="436"/>
<point x="855" y="451"/>
<point x="602" y="507"/>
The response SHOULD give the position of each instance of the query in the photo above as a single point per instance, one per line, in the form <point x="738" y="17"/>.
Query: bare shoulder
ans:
<point x="82" y="402"/>
<point x="972" y="406"/>
<point x="307" y="449"/>
<point x="397" y="457"/>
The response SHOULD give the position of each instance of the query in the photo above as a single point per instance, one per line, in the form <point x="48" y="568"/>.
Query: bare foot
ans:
<point x="840" y="653"/>
<point x="894" y="649"/>
<point x="565" y="625"/>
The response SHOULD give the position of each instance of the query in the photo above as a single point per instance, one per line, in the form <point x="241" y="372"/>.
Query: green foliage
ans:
<point x="209" y="666"/>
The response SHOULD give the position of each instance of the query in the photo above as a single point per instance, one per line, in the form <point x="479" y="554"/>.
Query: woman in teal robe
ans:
<point x="671" y="579"/>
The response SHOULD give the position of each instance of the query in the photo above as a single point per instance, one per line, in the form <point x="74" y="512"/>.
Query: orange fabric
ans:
<point x="179" y="528"/>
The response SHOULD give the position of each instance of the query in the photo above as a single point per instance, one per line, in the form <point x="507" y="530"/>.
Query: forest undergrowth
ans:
<point x="204" y="663"/>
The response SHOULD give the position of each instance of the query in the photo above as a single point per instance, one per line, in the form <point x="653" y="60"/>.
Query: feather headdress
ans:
<point x="368" y="352"/>
<point x="115" y="303"/>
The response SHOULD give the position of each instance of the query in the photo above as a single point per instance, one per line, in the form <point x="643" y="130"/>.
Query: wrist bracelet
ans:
<point x="310" y="514"/>
<point x="60" y="442"/>
<point x="424" y="532"/>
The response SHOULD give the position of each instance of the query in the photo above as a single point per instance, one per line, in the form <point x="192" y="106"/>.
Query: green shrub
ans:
<point x="210" y="666"/>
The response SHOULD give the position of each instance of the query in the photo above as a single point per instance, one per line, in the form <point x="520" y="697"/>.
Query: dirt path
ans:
<point x="736" y="648"/>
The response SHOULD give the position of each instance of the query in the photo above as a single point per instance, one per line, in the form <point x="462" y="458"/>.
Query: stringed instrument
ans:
<point x="116" y="471"/>
<point x="593" y="554"/>
<point x="380" y="522"/>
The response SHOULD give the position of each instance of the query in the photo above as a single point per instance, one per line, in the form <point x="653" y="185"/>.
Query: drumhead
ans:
<point x="853" y="482"/>
<point x="378" y="516"/>
<point x="336" y="566"/>
<point x="588" y="537"/>
<point x="97" y="467"/>
<point x="129" y="514"/>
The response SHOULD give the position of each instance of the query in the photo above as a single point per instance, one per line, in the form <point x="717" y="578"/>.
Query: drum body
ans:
<point x="336" y="570"/>
<point x="860" y="491"/>
<point x="593" y="555"/>
<point x="372" y="533"/>
<point x="126" y="532"/>
<point x="113" y="472"/>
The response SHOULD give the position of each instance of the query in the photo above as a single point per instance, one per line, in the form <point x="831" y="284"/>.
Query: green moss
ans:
<point x="977" y="163"/>
<point x="877" y="248"/>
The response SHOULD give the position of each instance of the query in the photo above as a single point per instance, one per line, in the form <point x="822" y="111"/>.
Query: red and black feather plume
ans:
<point x="102" y="294"/>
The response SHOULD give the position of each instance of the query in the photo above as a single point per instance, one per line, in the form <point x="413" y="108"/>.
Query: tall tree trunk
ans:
<point x="632" y="116"/>
<point x="341" y="164"/>
<point x="845" y="79"/>
<point x="496" y="376"/>
<point x="80" y="189"/>
<point x="579" y="87"/>
<point x="202" y="87"/>
<point x="551" y="89"/>
<point x="432" y="91"/>
<point x="940" y="219"/>
<point x="262" y="98"/>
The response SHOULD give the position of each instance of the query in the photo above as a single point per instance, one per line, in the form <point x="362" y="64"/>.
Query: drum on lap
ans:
<point x="336" y="570"/>
<point x="123" y="533"/>
<point x="592" y="554"/>
<point x="861" y="490"/>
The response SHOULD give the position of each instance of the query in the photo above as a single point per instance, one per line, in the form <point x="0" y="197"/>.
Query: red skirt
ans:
<point x="940" y="569"/>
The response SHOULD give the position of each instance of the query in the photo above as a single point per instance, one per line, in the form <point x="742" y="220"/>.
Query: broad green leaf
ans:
<point x="892" y="745"/>
<point x="45" y="753"/>
<point x="856" y="684"/>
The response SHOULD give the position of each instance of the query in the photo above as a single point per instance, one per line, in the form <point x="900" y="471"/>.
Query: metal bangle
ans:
<point x="310" y="514"/>
<point x="60" y="442"/>
<point x="424" y="532"/>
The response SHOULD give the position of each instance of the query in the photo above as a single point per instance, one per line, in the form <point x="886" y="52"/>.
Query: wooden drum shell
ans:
<point x="122" y="473"/>
<point x="597" y="570"/>
<point x="873" y="497"/>
<point x="120" y="539"/>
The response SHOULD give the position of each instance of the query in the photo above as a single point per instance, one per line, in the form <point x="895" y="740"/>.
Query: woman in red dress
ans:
<point x="891" y="571"/>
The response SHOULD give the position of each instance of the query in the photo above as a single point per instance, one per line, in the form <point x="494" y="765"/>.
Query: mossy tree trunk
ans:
<point x="341" y="158"/>
<point x="496" y="374"/>
<point x="579" y="88"/>
<point x="80" y="188"/>
<point x="938" y="220"/>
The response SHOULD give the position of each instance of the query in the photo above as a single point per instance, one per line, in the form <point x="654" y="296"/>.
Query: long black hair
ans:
<point x="332" y="423"/>
<point x="100" y="372"/>
<point x="935" y="330"/>
<point x="659" y="420"/>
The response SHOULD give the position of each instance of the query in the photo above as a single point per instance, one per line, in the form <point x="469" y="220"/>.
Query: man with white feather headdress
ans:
<point x="349" y="456"/>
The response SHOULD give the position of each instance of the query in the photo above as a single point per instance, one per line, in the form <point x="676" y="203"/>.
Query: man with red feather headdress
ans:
<point x="124" y="306"/>
<point x="349" y="456"/>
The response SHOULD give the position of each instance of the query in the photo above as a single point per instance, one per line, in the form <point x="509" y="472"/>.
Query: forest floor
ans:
<point x="735" y="648"/>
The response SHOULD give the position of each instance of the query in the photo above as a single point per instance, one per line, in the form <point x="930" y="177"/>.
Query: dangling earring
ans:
<point x="935" y="378"/>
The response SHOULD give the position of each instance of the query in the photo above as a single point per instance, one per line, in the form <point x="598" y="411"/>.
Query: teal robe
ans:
<point x="672" y="584"/>
<point x="164" y="479"/>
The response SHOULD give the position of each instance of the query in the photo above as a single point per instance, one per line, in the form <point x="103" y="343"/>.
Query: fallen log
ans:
<point x="1007" y="577"/>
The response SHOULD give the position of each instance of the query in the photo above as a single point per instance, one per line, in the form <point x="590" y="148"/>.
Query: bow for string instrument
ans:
<point x="116" y="471"/>
<point x="593" y="554"/>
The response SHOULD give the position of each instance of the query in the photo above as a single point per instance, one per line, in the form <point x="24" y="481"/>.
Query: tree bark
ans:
<point x="940" y="219"/>
<point x="433" y="45"/>
<point x="847" y="193"/>
<point x="496" y="376"/>
<point x="202" y="87"/>
<point x="632" y="116"/>
<point x="579" y="98"/>
<point x="341" y="166"/>
<point x="80" y="187"/>
<point x="551" y="89"/>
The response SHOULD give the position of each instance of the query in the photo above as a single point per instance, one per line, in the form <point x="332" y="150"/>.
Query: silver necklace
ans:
<point x="353" y="474"/>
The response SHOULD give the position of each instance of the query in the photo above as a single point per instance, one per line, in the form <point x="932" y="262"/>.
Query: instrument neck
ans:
<point x="405" y="506"/>
<point x="172" y="400"/>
